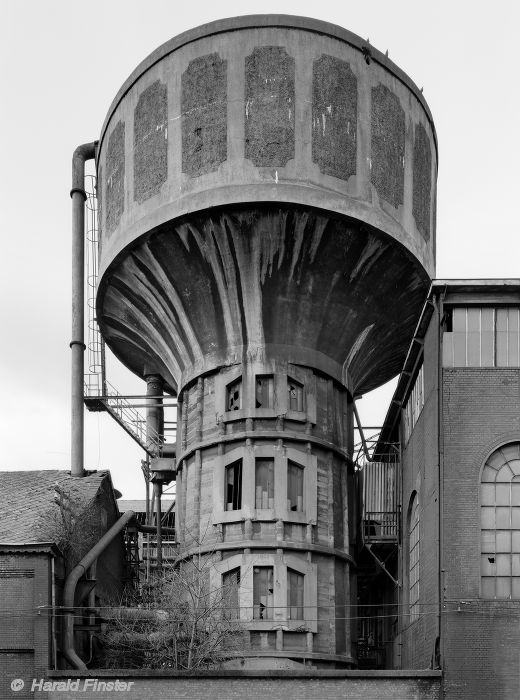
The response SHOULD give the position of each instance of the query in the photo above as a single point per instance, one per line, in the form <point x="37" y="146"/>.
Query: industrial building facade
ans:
<point x="456" y="414"/>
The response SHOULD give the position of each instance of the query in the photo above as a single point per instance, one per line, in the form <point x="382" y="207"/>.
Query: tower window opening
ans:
<point x="231" y="594"/>
<point x="294" y="395"/>
<point x="263" y="593"/>
<point x="295" y="583"/>
<point x="234" y="395"/>
<point x="234" y="486"/>
<point x="264" y="483"/>
<point x="264" y="391"/>
<point x="294" y="487"/>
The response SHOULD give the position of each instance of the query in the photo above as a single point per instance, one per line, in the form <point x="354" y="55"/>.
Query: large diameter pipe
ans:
<point x="83" y="153"/>
<point x="72" y="580"/>
<point x="154" y="412"/>
<point x="157" y="487"/>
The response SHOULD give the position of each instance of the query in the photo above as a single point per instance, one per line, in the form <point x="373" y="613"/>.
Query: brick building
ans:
<point x="456" y="416"/>
<point x="48" y="521"/>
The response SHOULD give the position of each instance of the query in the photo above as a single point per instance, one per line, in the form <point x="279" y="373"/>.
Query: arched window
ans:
<point x="500" y="523"/>
<point x="413" y="558"/>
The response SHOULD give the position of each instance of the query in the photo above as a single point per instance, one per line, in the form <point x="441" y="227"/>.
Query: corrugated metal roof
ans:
<point x="28" y="499"/>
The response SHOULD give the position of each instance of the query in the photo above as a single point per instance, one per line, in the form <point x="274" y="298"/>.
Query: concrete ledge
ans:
<point x="279" y="673"/>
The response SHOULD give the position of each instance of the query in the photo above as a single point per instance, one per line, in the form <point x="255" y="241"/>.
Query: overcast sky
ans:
<point x="62" y="62"/>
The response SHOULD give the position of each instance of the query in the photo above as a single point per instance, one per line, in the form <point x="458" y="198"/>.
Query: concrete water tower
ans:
<point x="267" y="199"/>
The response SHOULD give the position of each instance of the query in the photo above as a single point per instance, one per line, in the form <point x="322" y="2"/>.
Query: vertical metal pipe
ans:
<point x="154" y="412"/>
<point x="77" y="344"/>
<point x="157" y="487"/>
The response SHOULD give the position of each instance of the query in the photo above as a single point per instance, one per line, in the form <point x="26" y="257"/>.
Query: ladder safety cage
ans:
<point x="99" y="394"/>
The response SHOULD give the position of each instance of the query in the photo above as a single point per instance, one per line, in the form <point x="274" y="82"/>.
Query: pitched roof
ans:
<point x="30" y="497"/>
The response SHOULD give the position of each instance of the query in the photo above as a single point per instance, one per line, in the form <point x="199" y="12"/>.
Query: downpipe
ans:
<point x="72" y="580"/>
<point x="83" y="153"/>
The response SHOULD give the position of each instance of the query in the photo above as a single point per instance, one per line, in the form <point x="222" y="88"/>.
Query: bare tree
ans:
<point x="72" y="521"/>
<point x="175" y="621"/>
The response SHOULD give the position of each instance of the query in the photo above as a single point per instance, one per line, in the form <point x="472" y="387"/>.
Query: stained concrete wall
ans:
<point x="318" y="541"/>
<point x="269" y="108"/>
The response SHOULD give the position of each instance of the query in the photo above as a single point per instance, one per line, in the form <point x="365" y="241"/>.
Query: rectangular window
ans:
<point x="294" y="595"/>
<point x="234" y="486"/>
<point x="413" y="564"/>
<point x="264" y="391"/>
<point x="263" y="593"/>
<point x="294" y="395"/>
<point x="482" y="337"/>
<point x="230" y="594"/>
<point x="233" y="395"/>
<point x="414" y="405"/>
<point x="264" y="483"/>
<point x="294" y="487"/>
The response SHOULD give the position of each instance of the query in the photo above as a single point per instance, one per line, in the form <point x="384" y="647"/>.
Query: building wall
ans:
<point x="369" y="685"/>
<point x="481" y="411"/>
<point x="25" y="632"/>
<point x="420" y="474"/>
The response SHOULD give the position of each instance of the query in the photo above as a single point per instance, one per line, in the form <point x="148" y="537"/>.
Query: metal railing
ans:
<point x="99" y="394"/>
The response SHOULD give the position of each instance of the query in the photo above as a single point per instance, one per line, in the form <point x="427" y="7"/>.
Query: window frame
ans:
<point x="462" y="347"/>
<point x="414" y="557"/>
<point x="500" y="522"/>
<point x="248" y="374"/>
<point x="238" y="467"/>
<point x="230" y="613"/>
<point x="281" y="564"/>
<point x="414" y="404"/>
<point x="281" y="456"/>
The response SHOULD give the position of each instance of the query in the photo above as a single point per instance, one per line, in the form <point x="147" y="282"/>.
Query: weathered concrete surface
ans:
<point x="337" y="145"/>
<point x="284" y="283"/>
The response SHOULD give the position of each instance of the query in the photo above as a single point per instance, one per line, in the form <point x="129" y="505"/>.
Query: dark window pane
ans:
<point x="233" y="395"/>
<point x="295" y="582"/>
<point x="294" y="487"/>
<point x="294" y="395"/>
<point x="263" y="593"/>
<point x="234" y="486"/>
